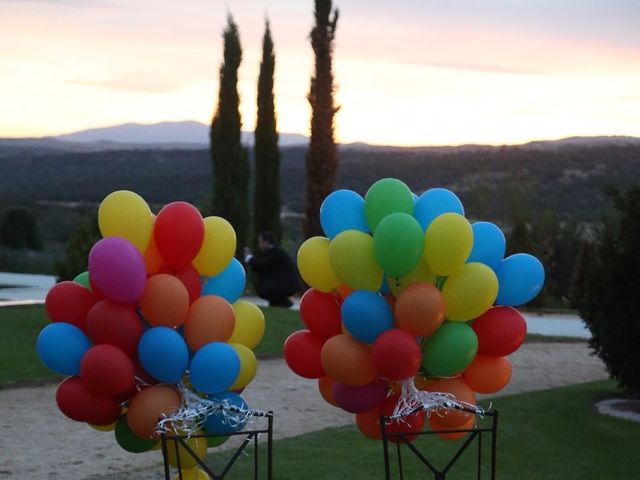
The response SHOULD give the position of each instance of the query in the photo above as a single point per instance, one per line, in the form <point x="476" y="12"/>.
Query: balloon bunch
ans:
<point x="418" y="313"/>
<point x="155" y="320"/>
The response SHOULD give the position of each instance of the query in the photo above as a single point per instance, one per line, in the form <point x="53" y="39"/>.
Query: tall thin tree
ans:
<point x="322" y="159"/>
<point x="267" y="153"/>
<point x="229" y="157"/>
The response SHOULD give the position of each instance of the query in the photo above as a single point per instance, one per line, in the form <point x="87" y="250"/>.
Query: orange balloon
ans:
<point x="165" y="301"/>
<point x="420" y="382"/>
<point x="344" y="291"/>
<point x="348" y="361"/>
<point x="487" y="374"/>
<point x="369" y="424"/>
<point x="452" y="418"/>
<point x="210" y="319"/>
<point x="420" y="309"/>
<point x="152" y="259"/>
<point x="434" y="423"/>
<point x="325" y="385"/>
<point x="148" y="406"/>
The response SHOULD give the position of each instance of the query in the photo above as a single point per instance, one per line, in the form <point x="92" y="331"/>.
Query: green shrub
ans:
<point x="611" y="301"/>
<point x="19" y="230"/>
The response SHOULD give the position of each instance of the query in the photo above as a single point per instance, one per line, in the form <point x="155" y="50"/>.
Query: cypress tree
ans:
<point x="267" y="153"/>
<point x="322" y="159"/>
<point x="229" y="157"/>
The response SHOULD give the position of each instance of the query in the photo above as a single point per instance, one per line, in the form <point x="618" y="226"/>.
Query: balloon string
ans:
<point x="412" y="400"/>
<point x="194" y="410"/>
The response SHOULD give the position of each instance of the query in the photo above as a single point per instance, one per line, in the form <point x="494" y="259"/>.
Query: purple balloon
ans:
<point x="117" y="268"/>
<point x="360" y="399"/>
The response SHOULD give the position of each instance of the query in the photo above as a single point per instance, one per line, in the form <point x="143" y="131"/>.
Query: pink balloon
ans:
<point x="360" y="399"/>
<point x="117" y="268"/>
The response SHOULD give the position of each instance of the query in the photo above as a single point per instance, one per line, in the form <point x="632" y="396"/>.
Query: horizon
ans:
<point x="56" y="136"/>
<point x="497" y="72"/>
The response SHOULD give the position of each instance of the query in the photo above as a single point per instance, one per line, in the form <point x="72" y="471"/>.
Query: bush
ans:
<point x="611" y="302"/>
<point x="19" y="230"/>
<point x="77" y="251"/>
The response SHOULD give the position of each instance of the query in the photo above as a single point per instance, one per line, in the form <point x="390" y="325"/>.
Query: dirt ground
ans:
<point x="38" y="442"/>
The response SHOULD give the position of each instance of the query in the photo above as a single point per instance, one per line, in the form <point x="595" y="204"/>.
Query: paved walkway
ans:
<point x="37" y="441"/>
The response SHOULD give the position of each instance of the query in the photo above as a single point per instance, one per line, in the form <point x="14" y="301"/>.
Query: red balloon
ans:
<point x="179" y="232"/>
<point x="320" y="312"/>
<point x="190" y="277"/>
<point x="413" y="423"/>
<point x="396" y="354"/>
<point x="302" y="354"/>
<point x="113" y="323"/>
<point x="106" y="370"/>
<point x="500" y="331"/>
<point x="95" y="290"/>
<point x="77" y="403"/>
<point x="69" y="302"/>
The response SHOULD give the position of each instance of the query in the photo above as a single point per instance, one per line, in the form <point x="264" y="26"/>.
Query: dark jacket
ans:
<point x="275" y="273"/>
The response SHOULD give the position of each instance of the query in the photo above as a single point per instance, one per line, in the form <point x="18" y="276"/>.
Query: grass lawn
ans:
<point x="20" y="326"/>
<point x="548" y="435"/>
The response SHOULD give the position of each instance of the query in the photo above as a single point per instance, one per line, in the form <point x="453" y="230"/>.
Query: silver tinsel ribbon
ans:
<point x="411" y="400"/>
<point x="194" y="410"/>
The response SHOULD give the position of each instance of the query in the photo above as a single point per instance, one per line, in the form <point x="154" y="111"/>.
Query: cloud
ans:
<point x="476" y="67"/>
<point x="136" y="82"/>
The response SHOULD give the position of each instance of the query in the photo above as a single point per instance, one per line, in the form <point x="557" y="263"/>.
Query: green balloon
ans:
<point x="384" y="197"/>
<point x="450" y="350"/>
<point x="83" y="279"/>
<point x="216" y="441"/>
<point x="398" y="244"/>
<point x="129" y="440"/>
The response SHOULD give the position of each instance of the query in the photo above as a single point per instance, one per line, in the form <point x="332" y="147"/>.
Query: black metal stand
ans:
<point x="476" y="432"/>
<point x="251" y="437"/>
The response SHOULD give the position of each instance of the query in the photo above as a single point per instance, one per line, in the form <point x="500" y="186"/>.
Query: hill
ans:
<point x="568" y="179"/>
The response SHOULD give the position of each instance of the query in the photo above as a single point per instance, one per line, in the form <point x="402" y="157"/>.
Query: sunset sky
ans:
<point x="408" y="72"/>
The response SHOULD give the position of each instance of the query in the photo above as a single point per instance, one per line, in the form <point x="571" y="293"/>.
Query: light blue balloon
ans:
<point x="433" y="203"/>
<point x="214" y="367"/>
<point x="163" y="353"/>
<point x="228" y="284"/>
<point x="342" y="210"/>
<point x="489" y="244"/>
<point x="384" y="288"/>
<point x="61" y="347"/>
<point x="225" y="421"/>
<point x="366" y="315"/>
<point x="520" y="277"/>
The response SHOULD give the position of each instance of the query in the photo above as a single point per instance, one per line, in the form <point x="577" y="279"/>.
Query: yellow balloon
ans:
<point x="198" y="445"/>
<point x="314" y="265"/>
<point x="448" y="243"/>
<point x="104" y="428"/>
<point x="469" y="292"/>
<point x="420" y="273"/>
<point x="218" y="247"/>
<point x="250" y="324"/>
<point x="248" y="366"/>
<point x="352" y="258"/>
<point x="126" y="214"/>
<point x="193" y="474"/>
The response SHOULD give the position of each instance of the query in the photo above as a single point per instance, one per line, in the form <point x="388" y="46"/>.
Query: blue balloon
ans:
<point x="225" y="421"/>
<point x="433" y="203"/>
<point x="520" y="278"/>
<point x="342" y="210"/>
<point x="61" y="347"/>
<point x="214" y="367"/>
<point x="489" y="244"/>
<point x="366" y="315"/>
<point x="384" y="288"/>
<point x="163" y="353"/>
<point x="228" y="284"/>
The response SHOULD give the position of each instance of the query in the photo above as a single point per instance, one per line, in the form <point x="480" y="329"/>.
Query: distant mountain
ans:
<point x="181" y="133"/>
